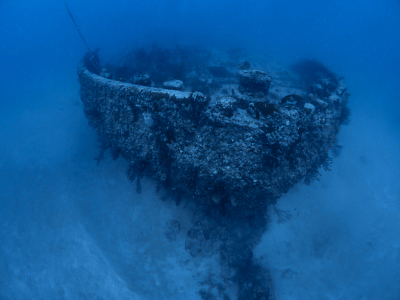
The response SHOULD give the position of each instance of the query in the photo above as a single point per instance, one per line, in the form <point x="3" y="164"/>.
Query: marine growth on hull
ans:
<point x="228" y="134"/>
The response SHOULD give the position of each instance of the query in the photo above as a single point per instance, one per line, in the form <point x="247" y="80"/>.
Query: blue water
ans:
<point x="70" y="229"/>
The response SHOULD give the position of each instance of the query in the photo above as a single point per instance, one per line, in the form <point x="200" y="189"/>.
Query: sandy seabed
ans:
<point x="73" y="229"/>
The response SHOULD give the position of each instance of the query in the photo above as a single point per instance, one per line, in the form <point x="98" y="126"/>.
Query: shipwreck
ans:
<point x="232" y="137"/>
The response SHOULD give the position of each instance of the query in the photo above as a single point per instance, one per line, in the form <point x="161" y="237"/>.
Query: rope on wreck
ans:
<point x="92" y="56"/>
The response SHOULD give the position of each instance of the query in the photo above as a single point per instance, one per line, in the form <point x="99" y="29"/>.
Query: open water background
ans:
<point x="70" y="229"/>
